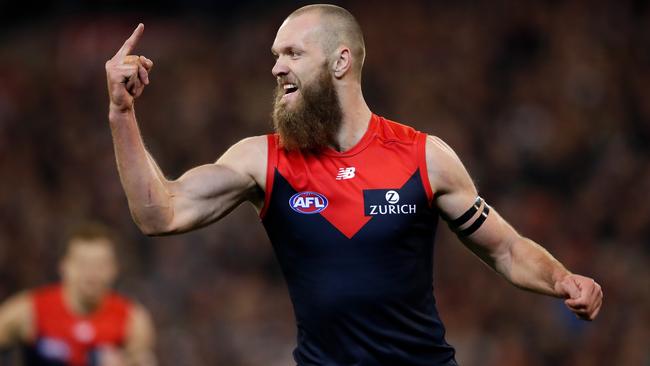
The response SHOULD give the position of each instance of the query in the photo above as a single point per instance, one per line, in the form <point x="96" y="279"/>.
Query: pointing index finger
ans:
<point x="130" y="43"/>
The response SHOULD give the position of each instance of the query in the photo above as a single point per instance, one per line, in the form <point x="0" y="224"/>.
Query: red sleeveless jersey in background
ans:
<point x="65" y="338"/>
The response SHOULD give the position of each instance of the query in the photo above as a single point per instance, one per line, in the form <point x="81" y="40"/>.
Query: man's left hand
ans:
<point x="583" y="295"/>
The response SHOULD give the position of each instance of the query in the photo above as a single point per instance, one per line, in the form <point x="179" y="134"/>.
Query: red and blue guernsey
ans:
<point x="67" y="339"/>
<point x="353" y="232"/>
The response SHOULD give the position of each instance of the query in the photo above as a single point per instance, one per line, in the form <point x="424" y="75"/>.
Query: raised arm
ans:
<point x="203" y="194"/>
<point x="140" y="340"/>
<point x="16" y="324"/>
<point x="520" y="260"/>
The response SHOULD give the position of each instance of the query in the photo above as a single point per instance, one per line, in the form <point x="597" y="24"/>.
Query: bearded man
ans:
<point x="349" y="199"/>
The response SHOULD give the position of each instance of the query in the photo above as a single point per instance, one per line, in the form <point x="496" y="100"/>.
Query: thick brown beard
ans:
<point x="314" y="121"/>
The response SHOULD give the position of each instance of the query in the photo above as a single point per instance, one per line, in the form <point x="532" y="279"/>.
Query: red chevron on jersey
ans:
<point x="332" y="183"/>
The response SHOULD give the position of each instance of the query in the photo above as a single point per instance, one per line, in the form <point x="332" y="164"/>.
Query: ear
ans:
<point x="342" y="62"/>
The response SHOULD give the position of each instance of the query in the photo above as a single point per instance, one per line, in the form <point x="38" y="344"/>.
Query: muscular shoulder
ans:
<point x="247" y="150"/>
<point x="248" y="156"/>
<point x="251" y="145"/>
<point x="445" y="169"/>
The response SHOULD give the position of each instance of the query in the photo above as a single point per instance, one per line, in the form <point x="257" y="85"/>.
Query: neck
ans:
<point x="356" y="117"/>
<point x="76" y="303"/>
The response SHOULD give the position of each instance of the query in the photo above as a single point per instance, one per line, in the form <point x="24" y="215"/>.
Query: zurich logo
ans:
<point x="308" y="202"/>
<point x="392" y="197"/>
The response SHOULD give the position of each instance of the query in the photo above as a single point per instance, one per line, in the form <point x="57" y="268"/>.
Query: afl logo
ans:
<point x="308" y="202"/>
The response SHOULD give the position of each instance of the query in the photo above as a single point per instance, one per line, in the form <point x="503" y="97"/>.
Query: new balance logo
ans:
<point x="346" y="173"/>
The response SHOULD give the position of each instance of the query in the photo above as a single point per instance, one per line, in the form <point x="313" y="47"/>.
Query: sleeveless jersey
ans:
<point x="353" y="233"/>
<point x="67" y="339"/>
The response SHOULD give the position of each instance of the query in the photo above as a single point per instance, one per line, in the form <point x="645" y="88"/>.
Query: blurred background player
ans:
<point x="81" y="320"/>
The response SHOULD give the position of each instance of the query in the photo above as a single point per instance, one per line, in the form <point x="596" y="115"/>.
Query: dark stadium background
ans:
<point x="546" y="102"/>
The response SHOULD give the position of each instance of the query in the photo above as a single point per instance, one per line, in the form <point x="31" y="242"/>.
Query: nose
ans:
<point x="280" y="68"/>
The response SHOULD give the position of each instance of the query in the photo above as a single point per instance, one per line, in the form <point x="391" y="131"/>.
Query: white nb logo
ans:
<point x="392" y="197"/>
<point x="346" y="173"/>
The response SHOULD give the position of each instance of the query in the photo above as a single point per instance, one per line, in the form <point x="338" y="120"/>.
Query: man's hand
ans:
<point x="583" y="295"/>
<point x="127" y="74"/>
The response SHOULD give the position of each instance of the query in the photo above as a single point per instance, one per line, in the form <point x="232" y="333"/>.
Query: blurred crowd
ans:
<point x="546" y="102"/>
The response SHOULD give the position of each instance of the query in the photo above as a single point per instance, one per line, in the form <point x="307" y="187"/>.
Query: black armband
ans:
<point x="477" y="223"/>
<point x="455" y="224"/>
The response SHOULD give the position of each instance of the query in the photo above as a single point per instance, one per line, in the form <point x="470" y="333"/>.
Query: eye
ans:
<point x="294" y="54"/>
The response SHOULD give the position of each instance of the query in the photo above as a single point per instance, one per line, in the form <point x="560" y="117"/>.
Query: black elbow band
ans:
<point x="455" y="224"/>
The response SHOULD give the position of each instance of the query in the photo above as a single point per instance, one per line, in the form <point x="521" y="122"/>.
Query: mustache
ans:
<point x="281" y="80"/>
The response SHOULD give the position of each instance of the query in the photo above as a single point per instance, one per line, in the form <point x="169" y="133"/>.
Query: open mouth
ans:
<point x="289" y="88"/>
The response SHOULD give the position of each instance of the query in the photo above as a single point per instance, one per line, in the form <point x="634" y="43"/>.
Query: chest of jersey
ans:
<point x="356" y="225"/>
<point x="64" y="338"/>
<point x="380" y="177"/>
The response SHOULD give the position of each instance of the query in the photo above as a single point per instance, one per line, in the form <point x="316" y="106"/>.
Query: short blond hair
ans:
<point x="89" y="231"/>
<point x="341" y="28"/>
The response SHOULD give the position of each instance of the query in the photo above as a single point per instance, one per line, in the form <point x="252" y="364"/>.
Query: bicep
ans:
<point x="454" y="190"/>
<point x="456" y="197"/>
<point x="206" y="193"/>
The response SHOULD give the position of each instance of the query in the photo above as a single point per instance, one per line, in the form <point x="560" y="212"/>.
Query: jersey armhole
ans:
<point x="422" y="165"/>
<point x="271" y="163"/>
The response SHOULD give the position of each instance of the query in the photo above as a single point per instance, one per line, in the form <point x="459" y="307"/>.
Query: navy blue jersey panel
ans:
<point x="366" y="300"/>
<point x="34" y="355"/>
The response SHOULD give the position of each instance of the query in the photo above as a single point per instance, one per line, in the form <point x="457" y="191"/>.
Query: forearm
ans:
<point x="146" y="188"/>
<point x="144" y="357"/>
<point x="529" y="266"/>
<point x="520" y="260"/>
